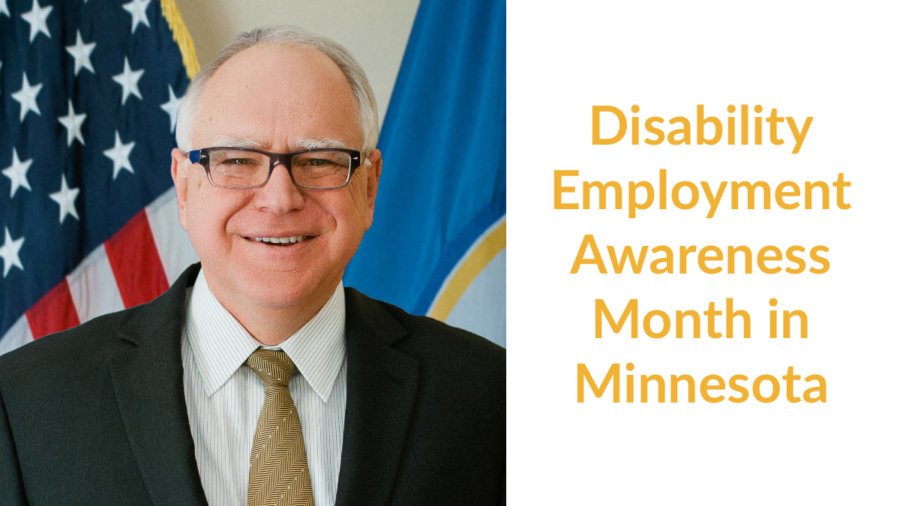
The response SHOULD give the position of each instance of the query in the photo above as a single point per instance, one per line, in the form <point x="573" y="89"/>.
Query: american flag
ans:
<point x="88" y="95"/>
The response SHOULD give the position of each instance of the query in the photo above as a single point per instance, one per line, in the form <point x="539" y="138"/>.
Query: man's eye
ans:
<point x="237" y="161"/>
<point x="317" y="162"/>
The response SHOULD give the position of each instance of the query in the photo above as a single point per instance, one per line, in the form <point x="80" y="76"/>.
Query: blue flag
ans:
<point x="438" y="243"/>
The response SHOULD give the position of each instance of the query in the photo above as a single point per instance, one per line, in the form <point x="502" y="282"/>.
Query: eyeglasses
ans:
<point x="244" y="168"/>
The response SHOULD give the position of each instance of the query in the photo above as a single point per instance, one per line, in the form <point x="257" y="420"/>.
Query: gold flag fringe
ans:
<point x="182" y="37"/>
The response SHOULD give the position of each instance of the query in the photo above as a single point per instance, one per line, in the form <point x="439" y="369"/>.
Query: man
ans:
<point x="192" y="398"/>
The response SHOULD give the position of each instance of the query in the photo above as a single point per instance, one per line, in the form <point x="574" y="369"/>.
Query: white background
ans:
<point x="835" y="63"/>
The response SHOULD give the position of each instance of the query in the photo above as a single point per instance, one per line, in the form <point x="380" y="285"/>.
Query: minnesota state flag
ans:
<point x="438" y="243"/>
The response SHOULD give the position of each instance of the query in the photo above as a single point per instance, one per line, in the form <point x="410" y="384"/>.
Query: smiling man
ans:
<point x="258" y="378"/>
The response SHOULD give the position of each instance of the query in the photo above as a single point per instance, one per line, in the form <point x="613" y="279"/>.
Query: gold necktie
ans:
<point x="279" y="474"/>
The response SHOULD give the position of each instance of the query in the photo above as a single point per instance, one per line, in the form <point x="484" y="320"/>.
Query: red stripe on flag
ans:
<point x="54" y="312"/>
<point x="135" y="262"/>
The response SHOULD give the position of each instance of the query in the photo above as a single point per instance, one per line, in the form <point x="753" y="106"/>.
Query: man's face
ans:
<point x="275" y="98"/>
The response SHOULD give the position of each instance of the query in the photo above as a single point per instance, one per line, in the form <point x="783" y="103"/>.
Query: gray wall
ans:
<point x="374" y="31"/>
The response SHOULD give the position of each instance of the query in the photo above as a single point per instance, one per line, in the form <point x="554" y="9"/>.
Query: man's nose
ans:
<point x="279" y="195"/>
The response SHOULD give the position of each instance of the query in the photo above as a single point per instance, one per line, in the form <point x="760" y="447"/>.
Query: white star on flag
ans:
<point x="27" y="97"/>
<point x="73" y="122"/>
<point x="65" y="197"/>
<point x="82" y="53"/>
<point x="138" y="11"/>
<point x="119" y="155"/>
<point x="3" y="8"/>
<point x="171" y="108"/>
<point x="10" y="252"/>
<point x="17" y="174"/>
<point x="128" y="79"/>
<point x="37" y="19"/>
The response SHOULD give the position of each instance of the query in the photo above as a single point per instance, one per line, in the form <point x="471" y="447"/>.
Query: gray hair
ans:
<point x="286" y="35"/>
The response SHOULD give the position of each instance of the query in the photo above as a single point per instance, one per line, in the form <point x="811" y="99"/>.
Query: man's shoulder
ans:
<point x="434" y="331"/>
<point x="430" y="341"/>
<point x="69" y="346"/>
<point x="444" y="389"/>
<point x="88" y="345"/>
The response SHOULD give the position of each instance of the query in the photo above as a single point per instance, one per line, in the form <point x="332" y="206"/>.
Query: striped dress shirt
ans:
<point x="224" y="397"/>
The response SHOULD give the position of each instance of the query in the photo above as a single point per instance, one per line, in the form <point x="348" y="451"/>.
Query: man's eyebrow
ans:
<point x="227" y="141"/>
<point x="299" y="144"/>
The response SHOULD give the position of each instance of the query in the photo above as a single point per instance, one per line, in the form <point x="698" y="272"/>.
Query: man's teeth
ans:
<point x="280" y="240"/>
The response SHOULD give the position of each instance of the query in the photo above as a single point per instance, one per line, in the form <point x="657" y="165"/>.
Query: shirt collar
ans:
<point x="220" y="344"/>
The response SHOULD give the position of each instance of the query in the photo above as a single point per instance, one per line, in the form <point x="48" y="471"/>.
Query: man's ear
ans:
<point x="372" y="180"/>
<point x="180" y="166"/>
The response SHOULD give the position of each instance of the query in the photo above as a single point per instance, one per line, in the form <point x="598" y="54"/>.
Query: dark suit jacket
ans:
<point x="96" y="415"/>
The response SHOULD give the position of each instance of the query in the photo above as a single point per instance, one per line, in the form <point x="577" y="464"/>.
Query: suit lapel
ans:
<point x="381" y="391"/>
<point x="147" y="377"/>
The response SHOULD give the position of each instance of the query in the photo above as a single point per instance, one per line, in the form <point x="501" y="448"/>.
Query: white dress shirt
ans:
<point x="224" y="397"/>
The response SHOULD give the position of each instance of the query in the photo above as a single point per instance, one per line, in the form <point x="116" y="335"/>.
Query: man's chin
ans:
<point x="287" y="290"/>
